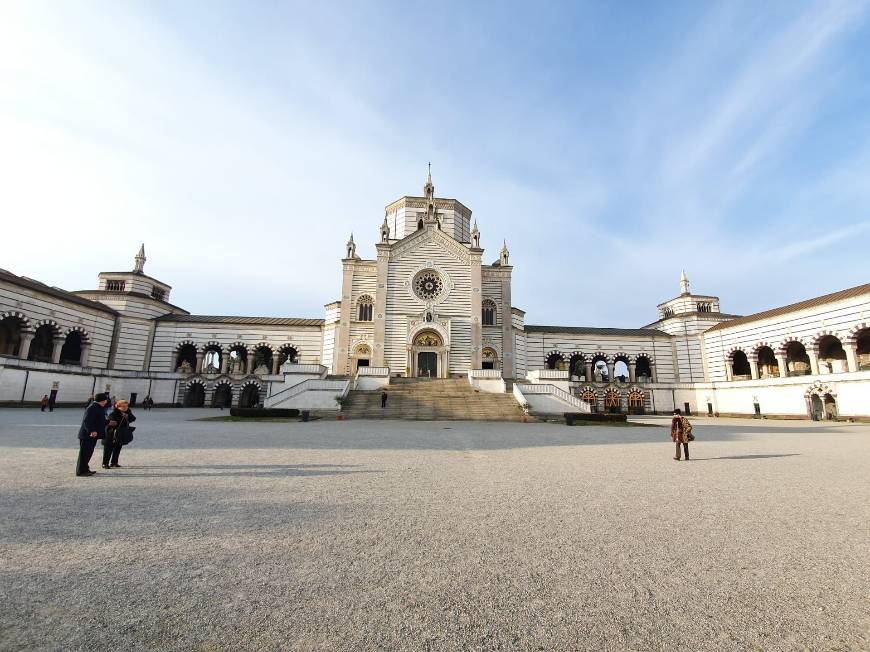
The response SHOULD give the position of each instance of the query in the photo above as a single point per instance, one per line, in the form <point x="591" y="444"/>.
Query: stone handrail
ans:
<point x="518" y="395"/>
<point x="312" y="384"/>
<point x="379" y="372"/>
<point x="547" y="374"/>
<point x="293" y="368"/>
<point x="484" y="373"/>
<point x="581" y="406"/>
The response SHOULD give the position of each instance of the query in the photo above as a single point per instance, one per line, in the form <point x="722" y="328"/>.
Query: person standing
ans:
<point x="43" y="403"/>
<point x="681" y="433"/>
<point x="93" y="427"/>
<point x="383" y="399"/>
<point x="118" y="435"/>
<point x="51" y="401"/>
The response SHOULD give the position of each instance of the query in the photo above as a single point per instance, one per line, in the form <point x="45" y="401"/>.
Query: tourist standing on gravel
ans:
<point x="681" y="433"/>
<point x="93" y="427"/>
<point x="383" y="399"/>
<point x="118" y="434"/>
<point x="43" y="403"/>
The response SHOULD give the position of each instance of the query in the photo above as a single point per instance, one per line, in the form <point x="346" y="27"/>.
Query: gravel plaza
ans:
<point x="370" y="535"/>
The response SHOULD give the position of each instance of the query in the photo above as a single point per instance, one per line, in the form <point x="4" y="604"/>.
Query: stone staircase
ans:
<point x="423" y="399"/>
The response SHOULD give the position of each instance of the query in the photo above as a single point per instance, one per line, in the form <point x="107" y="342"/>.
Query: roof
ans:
<point x="31" y="284"/>
<point x="138" y="274"/>
<point x="588" y="330"/>
<point x="724" y="316"/>
<point x="849" y="293"/>
<point x="229" y="319"/>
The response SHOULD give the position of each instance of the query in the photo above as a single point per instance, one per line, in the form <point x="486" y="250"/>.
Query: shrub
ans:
<point x="601" y="417"/>
<point x="263" y="413"/>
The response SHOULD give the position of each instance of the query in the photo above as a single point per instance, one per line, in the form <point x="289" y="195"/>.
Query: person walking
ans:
<point x="383" y="399"/>
<point x="118" y="434"/>
<point x="93" y="427"/>
<point x="51" y="402"/>
<point x="43" y="403"/>
<point x="681" y="433"/>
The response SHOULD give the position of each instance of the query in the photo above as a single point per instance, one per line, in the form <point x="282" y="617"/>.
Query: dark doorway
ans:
<point x="194" y="396"/>
<point x="250" y="396"/>
<point x="709" y="409"/>
<point x="816" y="407"/>
<point x="362" y="362"/>
<point x="223" y="396"/>
<point x="686" y="410"/>
<point x="487" y="364"/>
<point x="427" y="364"/>
<point x="133" y="396"/>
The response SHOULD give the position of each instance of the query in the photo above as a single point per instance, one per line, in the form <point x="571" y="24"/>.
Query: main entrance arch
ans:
<point x="428" y="355"/>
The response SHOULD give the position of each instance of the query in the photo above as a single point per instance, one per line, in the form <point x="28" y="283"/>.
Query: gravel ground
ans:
<point x="435" y="536"/>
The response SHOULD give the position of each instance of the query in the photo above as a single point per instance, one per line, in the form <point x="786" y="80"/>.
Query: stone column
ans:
<point x="610" y="366"/>
<point x="753" y="366"/>
<point x="274" y="363"/>
<point x="379" y="346"/>
<point x="55" y="352"/>
<point x="782" y="363"/>
<point x="200" y="356"/>
<point x="225" y="361"/>
<point x="86" y="352"/>
<point x="250" y="365"/>
<point x="632" y="371"/>
<point x="813" y="355"/>
<point x="588" y="371"/>
<point x="851" y="349"/>
<point x="652" y="372"/>
<point x="24" y="345"/>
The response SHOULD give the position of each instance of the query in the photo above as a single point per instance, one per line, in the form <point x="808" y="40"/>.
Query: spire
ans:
<point x="351" y="248"/>
<point x="140" y="260"/>
<point x="684" y="283"/>
<point x="505" y="254"/>
<point x="429" y="188"/>
<point x="475" y="236"/>
<point x="385" y="231"/>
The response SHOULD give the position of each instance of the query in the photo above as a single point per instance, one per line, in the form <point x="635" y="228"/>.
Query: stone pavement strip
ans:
<point x="391" y="535"/>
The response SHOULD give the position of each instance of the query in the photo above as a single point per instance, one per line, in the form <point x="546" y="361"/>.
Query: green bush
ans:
<point x="602" y="417"/>
<point x="263" y="413"/>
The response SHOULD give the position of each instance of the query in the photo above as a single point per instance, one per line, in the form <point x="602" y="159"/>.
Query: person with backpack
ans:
<point x="119" y="433"/>
<point x="681" y="433"/>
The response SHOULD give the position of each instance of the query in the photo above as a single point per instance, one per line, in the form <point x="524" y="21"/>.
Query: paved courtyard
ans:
<point x="369" y="535"/>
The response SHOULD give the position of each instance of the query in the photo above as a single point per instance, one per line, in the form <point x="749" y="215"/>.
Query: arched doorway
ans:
<point x="612" y="400"/>
<point x="428" y="355"/>
<point x="555" y="360"/>
<point x="250" y="396"/>
<point x="797" y="360"/>
<point x="740" y="369"/>
<point x="42" y="345"/>
<point x="361" y="357"/>
<point x="185" y="359"/>
<point x="71" y="353"/>
<point x="195" y="395"/>
<point x="10" y="335"/>
<point x="832" y="357"/>
<point x="768" y="367"/>
<point x="577" y="366"/>
<point x="635" y="401"/>
<point x="262" y="361"/>
<point x="862" y="349"/>
<point x="488" y="358"/>
<point x="223" y="395"/>
<point x="589" y="397"/>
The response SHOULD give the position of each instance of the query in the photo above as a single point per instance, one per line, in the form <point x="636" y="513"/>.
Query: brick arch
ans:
<point x="649" y="358"/>
<point x="621" y="355"/>
<point x="194" y="381"/>
<point x="213" y="345"/>
<point x="734" y="349"/>
<point x="783" y="345"/>
<point x="237" y="345"/>
<point x="20" y="316"/>
<point x="852" y="334"/>
<point x="56" y="330"/>
<point x="817" y="338"/>
<point x="263" y="344"/>
<point x="81" y="331"/>
<point x="761" y="345"/>
<point x="183" y="343"/>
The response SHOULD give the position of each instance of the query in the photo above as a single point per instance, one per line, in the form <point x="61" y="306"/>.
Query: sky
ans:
<point x="610" y="144"/>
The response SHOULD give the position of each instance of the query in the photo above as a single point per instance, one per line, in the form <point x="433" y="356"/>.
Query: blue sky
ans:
<point x="610" y="144"/>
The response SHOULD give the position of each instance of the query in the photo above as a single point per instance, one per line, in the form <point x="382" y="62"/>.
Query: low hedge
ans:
<point x="603" y="417"/>
<point x="263" y="413"/>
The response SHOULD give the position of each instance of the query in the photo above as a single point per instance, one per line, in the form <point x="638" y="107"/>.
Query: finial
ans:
<point x="429" y="188"/>
<point x="684" y="283"/>
<point x="139" y="259"/>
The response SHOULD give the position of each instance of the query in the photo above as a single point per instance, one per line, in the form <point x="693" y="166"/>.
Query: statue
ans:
<point x="237" y="366"/>
<point x="261" y="370"/>
<point x="185" y="367"/>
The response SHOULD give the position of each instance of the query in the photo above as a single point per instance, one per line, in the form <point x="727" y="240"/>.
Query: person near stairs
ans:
<point x="383" y="399"/>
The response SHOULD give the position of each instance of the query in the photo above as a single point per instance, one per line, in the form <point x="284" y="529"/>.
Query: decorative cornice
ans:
<point x="421" y="202"/>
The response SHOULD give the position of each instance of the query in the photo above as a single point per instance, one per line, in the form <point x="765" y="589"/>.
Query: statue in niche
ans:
<point x="237" y="365"/>
<point x="599" y="377"/>
<point x="262" y="370"/>
<point x="212" y="368"/>
<point x="185" y="367"/>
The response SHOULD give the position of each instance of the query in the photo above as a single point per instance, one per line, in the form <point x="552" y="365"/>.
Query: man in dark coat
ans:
<point x="93" y="427"/>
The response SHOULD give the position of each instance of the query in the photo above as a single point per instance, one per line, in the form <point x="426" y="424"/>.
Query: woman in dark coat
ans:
<point x="680" y="431"/>
<point x="117" y="433"/>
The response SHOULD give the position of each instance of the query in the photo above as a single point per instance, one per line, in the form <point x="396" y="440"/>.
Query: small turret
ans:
<point x="429" y="188"/>
<point x="385" y="231"/>
<point x="504" y="254"/>
<point x="351" y="248"/>
<point x="475" y="236"/>
<point x="139" y="259"/>
<point x="684" y="283"/>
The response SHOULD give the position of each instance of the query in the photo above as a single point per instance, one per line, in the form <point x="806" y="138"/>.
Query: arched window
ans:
<point x="488" y="312"/>
<point x="667" y="312"/>
<point x="365" y="305"/>
<point x="489" y="359"/>
<point x="740" y="369"/>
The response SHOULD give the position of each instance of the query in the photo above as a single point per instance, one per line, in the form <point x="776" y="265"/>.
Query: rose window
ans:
<point x="428" y="285"/>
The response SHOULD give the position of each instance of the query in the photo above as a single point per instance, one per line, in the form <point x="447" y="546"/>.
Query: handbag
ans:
<point x="688" y="427"/>
<point x="125" y="436"/>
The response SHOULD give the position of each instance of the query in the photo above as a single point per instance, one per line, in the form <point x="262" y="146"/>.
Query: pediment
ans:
<point x="424" y="239"/>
